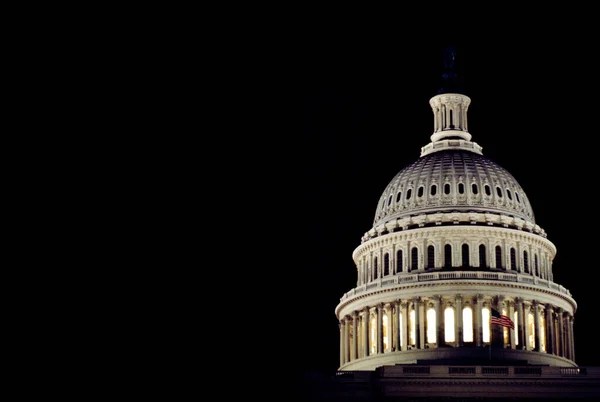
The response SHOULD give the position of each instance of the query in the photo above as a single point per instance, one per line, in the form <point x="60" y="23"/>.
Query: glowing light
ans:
<point x="467" y="324"/>
<point x="431" y="325"/>
<point x="449" y="324"/>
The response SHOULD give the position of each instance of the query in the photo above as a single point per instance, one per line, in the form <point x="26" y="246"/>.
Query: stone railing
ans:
<point x="475" y="371"/>
<point x="404" y="278"/>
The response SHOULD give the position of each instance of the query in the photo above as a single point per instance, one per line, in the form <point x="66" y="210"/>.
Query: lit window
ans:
<point x="485" y="319"/>
<point x="431" y="325"/>
<point x="516" y="321"/>
<point x="505" y="329"/>
<point x="449" y="324"/>
<point x="542" y="333"/>
<point x="412" y="330"/>
<point x="385" y="332"/>
<point x="467" y="324"/>
<point x="530" y="322"/>
<point x="373" y="340"/>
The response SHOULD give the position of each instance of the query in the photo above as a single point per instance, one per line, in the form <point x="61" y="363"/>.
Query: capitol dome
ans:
<point x="452" y="182"/>
<point x="454" y="246"/>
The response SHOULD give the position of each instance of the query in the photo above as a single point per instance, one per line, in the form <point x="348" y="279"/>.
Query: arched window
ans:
<point x="474" y="188"/>
<point x="535" y="263"/>
<point x="461" y="188"/>
<point x="408" y="193"/>
<point x="487" y="189"/>
<point x="525" y="261"/>
<point x="414" y="260"/>
<point x="509" y="194"/>
<point x="517" y="197"/>
<point x="513" y="259"/>
<point x="433" y="189"/>
<point x="420" y="192"/>
<point x="482" y="256"/>
<point x="390" y="200"/>
<point x="498" y="257"/>
<point x="499" y="192"/>
<point x="431" y="325"/>
<point x="449" y="324"/>
<point x="385" y="326"/>
<point x="465" y="255"/>
<point x="447" y="188"/>
<point x="386" y="264"/>
<point x="447" y="256"/>
<point x="430" y="257"/>
<point x="486" y="324"/>
<point x="373" y="335"/>
<point x="531" y="326"/>
<point x="399" y="196"/>
<point x="516" y="322"/>
<point x="542" y="333"/>
<point x="375" y="267"/>
<point x="399" y="261"/>
<point x="467" y="324"/>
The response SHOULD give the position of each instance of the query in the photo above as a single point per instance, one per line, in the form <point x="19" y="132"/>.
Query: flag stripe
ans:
<point x="502" y="320"/>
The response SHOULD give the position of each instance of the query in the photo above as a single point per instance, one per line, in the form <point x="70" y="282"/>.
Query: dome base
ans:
<point x="459" y="356"/>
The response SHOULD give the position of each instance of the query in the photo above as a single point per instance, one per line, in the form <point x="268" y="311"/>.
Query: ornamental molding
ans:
<point x="476" y="285"/>
<point x="483" y="235"/>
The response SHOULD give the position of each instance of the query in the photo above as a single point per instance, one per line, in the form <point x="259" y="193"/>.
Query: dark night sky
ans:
<point x="363" y="114"/>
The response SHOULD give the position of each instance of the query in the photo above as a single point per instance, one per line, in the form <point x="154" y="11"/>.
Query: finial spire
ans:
<point x="449" y="80"/>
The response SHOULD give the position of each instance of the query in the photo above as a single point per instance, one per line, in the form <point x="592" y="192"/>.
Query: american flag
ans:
<point x="502" y="320"/>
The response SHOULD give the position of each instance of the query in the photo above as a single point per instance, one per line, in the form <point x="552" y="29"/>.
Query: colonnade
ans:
<point x="455" y="321"/>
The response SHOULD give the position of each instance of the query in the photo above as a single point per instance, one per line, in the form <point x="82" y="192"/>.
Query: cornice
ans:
<point x="468" y="283"/>
<point x="458" y="232"/>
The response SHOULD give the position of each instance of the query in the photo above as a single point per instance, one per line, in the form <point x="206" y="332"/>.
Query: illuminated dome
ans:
<point x="454" y="245"/>
<point x="452" y="182"/>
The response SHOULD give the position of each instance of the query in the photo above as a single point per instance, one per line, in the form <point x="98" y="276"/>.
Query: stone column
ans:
<point x="571" y="326"/>
<point x="404" y="331"/>
<point x="512" y="332"/>
<point x="458" y="322"/>
<point x="393" y="265"/>
<point x="417" y="306"/>
<point x="568" y="335"/>
<point x="497" y="331"/>
<point x="561" y="332"/>
<point x="341" y="324"/>
<point x="549" y="329"/>
<point x="520" y="333"/>
<point x="478" y="324"/>
<point x="526" y="330"/>
<point x="346" y="340"/>
<point x="355" y="335"/>
<point x="390" y="319"/>
<point x="536" y="324"/>
<point x="366" y="332"/>
<point x="397" y="327"/>
<point x="379" y="328"/>
<point x="439" y="332"/>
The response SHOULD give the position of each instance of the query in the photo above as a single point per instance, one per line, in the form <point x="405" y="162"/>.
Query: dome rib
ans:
<point x="458" y="166"/>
